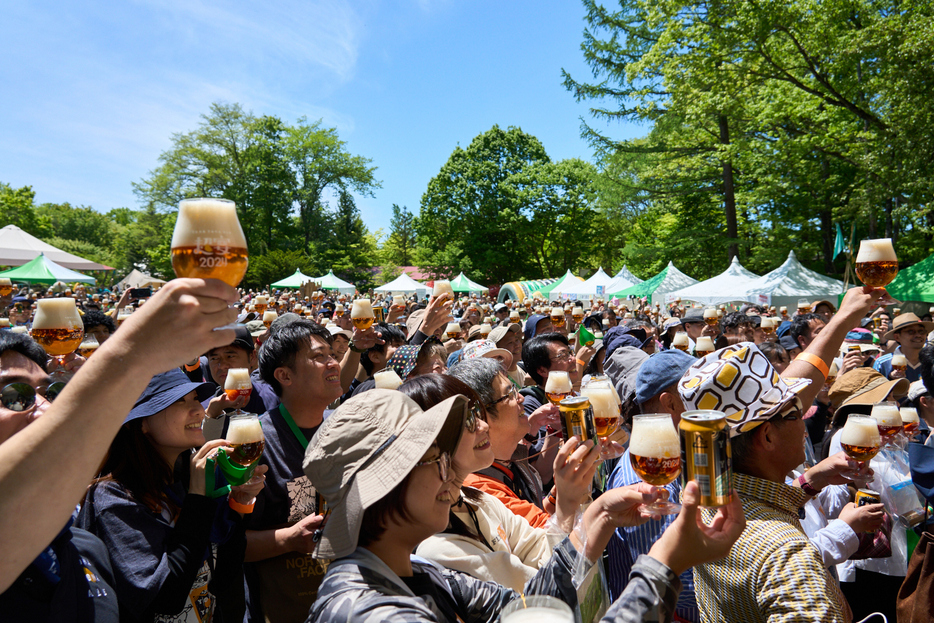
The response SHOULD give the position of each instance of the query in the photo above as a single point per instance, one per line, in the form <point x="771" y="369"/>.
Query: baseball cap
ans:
<point x="916" y="390"/>
<point x="243" y="339"/>
<point x="693" y="315"/>
<point x="499" y="307"/>
<point x="334" y="329"/>
<point x="366" y="448"/>
<point x="660" y="371"/>
<point x="486" y="348"/>
<point x="256" y="328"/>
<point x="739" y="381"/>
<point x="500" y="332"/>
<point x="165" y="389"/>
<point x="788" y="342"/>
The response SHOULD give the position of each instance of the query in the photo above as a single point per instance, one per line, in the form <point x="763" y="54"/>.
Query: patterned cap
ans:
<point x="740" y="381"/>
<point x="403" y="360"/>
<point x="487" y="348"/>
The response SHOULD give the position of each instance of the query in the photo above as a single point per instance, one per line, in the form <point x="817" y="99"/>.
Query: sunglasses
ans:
<point x="444" y="465"/>
<point x="22" y="396"/>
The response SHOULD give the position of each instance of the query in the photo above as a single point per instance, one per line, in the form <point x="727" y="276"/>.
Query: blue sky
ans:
<point x="93" y="91"/>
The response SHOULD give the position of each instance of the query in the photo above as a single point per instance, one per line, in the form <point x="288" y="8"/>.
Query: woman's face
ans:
<point x="433" y="365"/>
<point x="428" y="498"/>
<point x="474" y="451"/>
<point x="177" y="427"/>
<point x="509" y="424"/>
<point x="340" y="345"/>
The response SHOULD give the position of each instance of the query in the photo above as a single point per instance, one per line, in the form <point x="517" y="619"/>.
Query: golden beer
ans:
<point x="58" y="342"/>
<point x="6" y="286"/>
<point x="656" y="471"/>
<point x="208" y="241"/>
<point x="362" y="324"/>
<point x="899" y="363"/>
<point x="860" y="438"/>
<point x="876" y="262"/>
<point x="557" y="317"/>
<point x="245" y="435"/>
<point x="208" y="263"/>
<point x="910" y="420"/>
<point x="860" y="453"/>
<point x="558" y="386"/>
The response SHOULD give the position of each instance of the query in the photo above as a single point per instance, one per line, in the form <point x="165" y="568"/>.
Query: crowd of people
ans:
<point x="452" y="491"/>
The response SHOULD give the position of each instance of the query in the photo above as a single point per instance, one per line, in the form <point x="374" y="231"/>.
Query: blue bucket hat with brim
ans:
<point x="165" y="389"/>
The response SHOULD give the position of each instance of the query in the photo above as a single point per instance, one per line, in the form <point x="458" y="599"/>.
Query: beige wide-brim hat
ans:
<point x="365" y="449"/>
<point x="861" y="388"/>
<point x="906" y="320"/>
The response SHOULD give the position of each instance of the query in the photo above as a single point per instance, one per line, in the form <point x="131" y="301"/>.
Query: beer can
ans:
<point x="577" y="418"/>
<point x="853" y="348"/>
<point x="706" y="456"/>
<point x="378" y="314"/>
<point x="864" y="497"/>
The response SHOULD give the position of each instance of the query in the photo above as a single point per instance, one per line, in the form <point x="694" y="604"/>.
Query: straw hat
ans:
<point x="906" y="320"/>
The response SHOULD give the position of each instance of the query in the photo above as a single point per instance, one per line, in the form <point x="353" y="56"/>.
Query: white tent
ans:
<point x="403" y="284"/>
<point x="18" y="248"/>
<point x="138" y="279"/>
<point x="791" y="281"/>
<point x="331" y="281"/>
<point x="622" y="280"/>
<point x="573" y="289"/>
<point x="730" y="285"/>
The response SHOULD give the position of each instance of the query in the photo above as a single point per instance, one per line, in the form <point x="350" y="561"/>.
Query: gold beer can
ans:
<point x="577" y="418"/>
<point x="378" y="314"/>
<point x="706" y="456"/>
<point x="865" y="497"/>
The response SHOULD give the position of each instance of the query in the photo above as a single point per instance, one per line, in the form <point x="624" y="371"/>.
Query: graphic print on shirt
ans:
<point x="301" y="498"/>
<point x="200" y="606"/>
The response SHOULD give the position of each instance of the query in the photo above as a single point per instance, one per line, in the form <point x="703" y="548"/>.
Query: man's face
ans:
<point x="314" y="377"/>
<point x="814" y="329"/>
<point x="824" y="310"/>
<point x="226" y="357"/>
<point x="100" y="333"/>
<point x="544" y="326"/>
<point x="502" y="314"/>
<point x="513" y="344"/>
<point x="912" y="337"/>
<point x="561" y="359"/>
<point x="694" y="329"/>
<point x="17" y="368"/>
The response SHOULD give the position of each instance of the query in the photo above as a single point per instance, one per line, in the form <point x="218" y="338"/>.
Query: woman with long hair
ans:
<point x="384" y="466"/>
<point x="177" y="553"/>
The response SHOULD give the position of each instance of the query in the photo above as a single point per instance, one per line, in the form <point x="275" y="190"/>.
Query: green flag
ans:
<point x="585" y="337"/>
<point x="838" y="243"/>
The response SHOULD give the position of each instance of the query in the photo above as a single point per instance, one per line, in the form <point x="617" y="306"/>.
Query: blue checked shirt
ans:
<point x="628" y="543"/>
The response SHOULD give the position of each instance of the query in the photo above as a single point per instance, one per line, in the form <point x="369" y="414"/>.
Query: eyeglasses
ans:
<point x="474" y="413"/>
<point x="512" y="393"/>
<point x="564" y="355"/>
<point x="444" y="465"/>
<point x="22" y="396"/>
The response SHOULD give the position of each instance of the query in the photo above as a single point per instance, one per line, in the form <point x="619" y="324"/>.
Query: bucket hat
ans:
<point x="486" y="348"/>
<point x="163" y="390"/>
<point x="860" y="388"/>
<point x="365" y="449"/>
<point x="906" y="320"/>
<point x="740" y="381"/>
<point x="500" y="332"/>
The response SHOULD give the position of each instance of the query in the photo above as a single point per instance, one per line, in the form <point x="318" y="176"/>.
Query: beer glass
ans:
<point x="514" y="318"/>
<point x="238" y="384"/>
<point x="398" y="300"/>
<point x="876" y="323"/>
<point x="536" y="609"/>
<point x="703" y="346"/>
<point x="245" y="436"/>
<point x="680" y="341"/>
<point x="910" y="420"/>
<point x="387" y="378"/>
<point x="88" y="345"/>
<point x="361" y="314"/>
<point x="338" y="311"/>
<point x="557" y="317"/>
<point x="269" y="316"/>
<point x="888" y="420"/>
<point x="208" y="241"/>
<point x="832" y="374"/>
<point x="558" y="386"/>
<point x="784" y="312"/>
<point x="655" y="454"/>
<point x="260" y="304"/>
<point x="58" y="329"/>
<point x="485" y="329"/>
<point x="768" y="326"/>
<point x="442" y="286"/>
<point x="804" y="306"/>
<point x="899" y="363"/>
<point x="876" y="262"/>
<point x="453" y="330"/>
<point x="860" y="439"/>
<point x="5" y="323"/>
<point x="577" y="313"/>
<point x="6" y="286"/>
<point x="605" y="407"/>
<point x="896" y="311"/>
<point x="711" y="317"/>
<point x="123" y="314"/>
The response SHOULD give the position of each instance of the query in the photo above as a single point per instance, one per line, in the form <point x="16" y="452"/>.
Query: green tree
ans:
<point x="399" y="248"/>
<point x="17" y="207"/>
<point x="353" y="252"/>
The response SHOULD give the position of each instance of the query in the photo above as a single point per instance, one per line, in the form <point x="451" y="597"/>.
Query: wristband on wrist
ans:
<point x="815" y="361"/>
<point x="806" y="486"/>
<point x="354" y="348"/>
<point x="552" y="498"/>
<point x="581" y="362"/>
<point x="246" y="509"/>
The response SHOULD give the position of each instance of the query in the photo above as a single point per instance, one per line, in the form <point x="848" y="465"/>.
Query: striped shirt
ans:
<point x="773" y="574"/>
<point x="627" y="544"/>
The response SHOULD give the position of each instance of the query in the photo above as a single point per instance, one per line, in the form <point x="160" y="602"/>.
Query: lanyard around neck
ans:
<point x="292" y="425"/>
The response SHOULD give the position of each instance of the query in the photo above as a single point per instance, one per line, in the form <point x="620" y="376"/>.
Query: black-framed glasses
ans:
<point x="22" y="396"/>
<point x="444" y="465"/>
<point x="512" y="393"/>
<point x="564" y="355"/>
<point x="474" y="414"/>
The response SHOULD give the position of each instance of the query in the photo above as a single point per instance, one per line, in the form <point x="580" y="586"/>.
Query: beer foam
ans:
<point x="442" y="286"/>
<point x="899" y="360"/>
<point x="387" y="379"/>
<point x="558" y="382"/>
<point x="557" y="311"/>
<point x="207" y="219"/>
<point x="909" y="414"/>
<point x="237" y="378"/>
<point x="886" y="414"/>
<point x="602" y="400"/>
<point x="361" y="309"/>
<point x="654" y="438"/>
<point x="56" y="314"/>
<point x="260" y="300"/>
<point x="878" y="250"/>
<point x="861" y="431"/>
<point x="270" y="315"/>
<point x="703" y="343"/>
<point x="244" y="430"/>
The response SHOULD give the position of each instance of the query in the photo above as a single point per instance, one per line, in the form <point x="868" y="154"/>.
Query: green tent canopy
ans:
<point x="915" y="283"/>
<point x="44" y="270"/>
<point x="462" y="284"/>
<point x="294" y="281"/>
<point x="669" y="280"/>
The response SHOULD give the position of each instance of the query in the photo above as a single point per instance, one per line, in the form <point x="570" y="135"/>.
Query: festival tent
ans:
<point x="17" y="247"/>
<point x="295" y="281"/>
<point x="915" y="283"/>
<point x="138" y="279"/>
<point x="791" y="281"/>
<point x="622" y="280"/>
<point x="657" y="287"/>
<point x="730" y="285"/>
<point x="404" y="284"/>
<point x="44" y="270"/>
<point x="331" y="281"/>
<point x="582" y="290"/>
<point x="462" y="284"/>
<point x="568" y="278"/>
